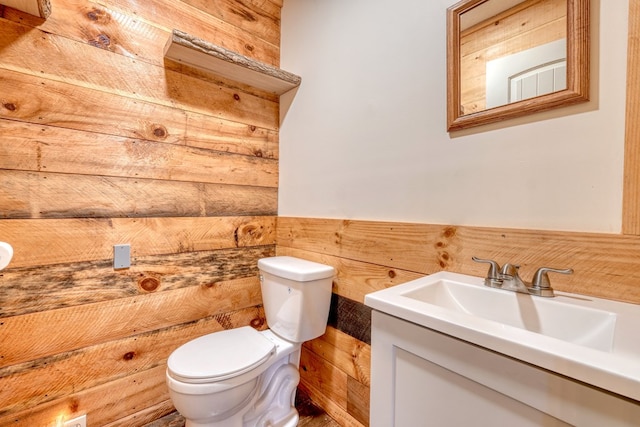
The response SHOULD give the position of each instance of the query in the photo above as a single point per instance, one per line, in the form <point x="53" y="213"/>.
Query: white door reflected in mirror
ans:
<point x="527" y="74"/>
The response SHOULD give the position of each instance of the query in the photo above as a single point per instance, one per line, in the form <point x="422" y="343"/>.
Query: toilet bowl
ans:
<point x="247" y="378"/>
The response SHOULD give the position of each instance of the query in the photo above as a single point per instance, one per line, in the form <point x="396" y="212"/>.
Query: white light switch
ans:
<point x="121" y="256"/>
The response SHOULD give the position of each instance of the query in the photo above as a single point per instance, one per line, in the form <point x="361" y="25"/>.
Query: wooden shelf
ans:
<point x="201" y="54"/>
<point x="40" y="8"/>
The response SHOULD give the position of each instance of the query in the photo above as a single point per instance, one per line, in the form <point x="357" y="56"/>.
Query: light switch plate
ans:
<point x="121" y="256"/>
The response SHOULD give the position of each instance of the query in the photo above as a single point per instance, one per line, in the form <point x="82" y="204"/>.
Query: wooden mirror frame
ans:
<point x="577" y="71"/>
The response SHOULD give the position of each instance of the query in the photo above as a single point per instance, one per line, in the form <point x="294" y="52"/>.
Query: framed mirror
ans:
<point x="510" y="58"/>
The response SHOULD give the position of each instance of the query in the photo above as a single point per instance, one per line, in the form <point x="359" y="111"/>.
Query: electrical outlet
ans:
<point x="80" y="421"/>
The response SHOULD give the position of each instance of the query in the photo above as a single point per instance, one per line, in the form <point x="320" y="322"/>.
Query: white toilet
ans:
<point x="245" y="378"/>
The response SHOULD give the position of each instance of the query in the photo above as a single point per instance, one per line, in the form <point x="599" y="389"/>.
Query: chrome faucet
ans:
<point x="509" y="279"/>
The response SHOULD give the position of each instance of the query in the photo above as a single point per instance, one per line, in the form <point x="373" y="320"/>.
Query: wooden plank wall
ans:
<point x="631" y="193"/>
<point x="529" y="24"/>
<point x="104" y="142"/>
<point x="371" y="255"/>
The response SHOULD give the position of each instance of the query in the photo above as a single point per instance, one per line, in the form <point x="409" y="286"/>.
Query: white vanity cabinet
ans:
<point x="420" y="377"/>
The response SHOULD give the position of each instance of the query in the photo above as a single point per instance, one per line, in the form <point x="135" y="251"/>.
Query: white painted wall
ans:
<point x="365" y="137"/>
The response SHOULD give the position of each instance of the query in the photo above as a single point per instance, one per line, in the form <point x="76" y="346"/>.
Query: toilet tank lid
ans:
<point x="296" y="269"/>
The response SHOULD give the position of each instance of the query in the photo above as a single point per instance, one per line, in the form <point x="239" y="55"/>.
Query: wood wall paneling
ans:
<point x="28" y="147"/>
<point x="631" y="194"/>
<point x="354" y="278"/>
<point x="54" y="241"/>
<point x="140" y="31"/>
<point x="127" y="77"/>
<point x="34" y="289"/>
<point x="348" y="354"/>
<point x="428" y="248"/>
<point x="350" y="317"/>
<point x="114" y="116"/>
<point x="103" y="142"/>
<point x="327" y="367"/>
<point x="28" y="384"/>
<point x="59" y="195"/>
<point x="254" y="16"/>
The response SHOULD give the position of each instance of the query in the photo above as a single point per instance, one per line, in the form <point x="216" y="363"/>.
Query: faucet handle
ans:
<point x="493" y="279"/>
<point x="494" y="268"/>
<point x="541" y="285"/>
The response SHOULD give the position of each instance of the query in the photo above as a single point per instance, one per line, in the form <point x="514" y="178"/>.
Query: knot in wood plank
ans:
<point x="149" y="284"/>
<point x="257" y="323"/>
<point x="98" y="15"/>
<point x="160" y="132"/>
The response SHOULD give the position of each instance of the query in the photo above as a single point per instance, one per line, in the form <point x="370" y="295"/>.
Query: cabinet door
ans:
<point x="420" y="377"/>
<point x="427" y="394"/>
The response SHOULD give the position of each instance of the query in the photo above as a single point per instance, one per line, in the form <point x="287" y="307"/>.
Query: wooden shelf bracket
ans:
<point x="207" y="56"/>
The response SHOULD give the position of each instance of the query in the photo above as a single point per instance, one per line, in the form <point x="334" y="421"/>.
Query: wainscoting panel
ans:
<point x="373" y="255"/>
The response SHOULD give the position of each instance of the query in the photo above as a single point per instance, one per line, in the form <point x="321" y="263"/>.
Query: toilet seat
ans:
<point x="219" y="356"/>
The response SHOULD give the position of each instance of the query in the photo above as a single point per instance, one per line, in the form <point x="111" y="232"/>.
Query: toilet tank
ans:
<point x="296" y="295"/>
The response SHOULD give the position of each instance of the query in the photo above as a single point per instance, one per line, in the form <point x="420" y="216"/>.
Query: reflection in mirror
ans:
<point x="529" y="73"/>
<point x="507" y="58"/>
<point x="507" y="44"/>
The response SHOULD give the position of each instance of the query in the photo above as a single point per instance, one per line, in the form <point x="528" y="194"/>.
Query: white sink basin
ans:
<point x="589" y="339"/>
<point x="572" y="323"/>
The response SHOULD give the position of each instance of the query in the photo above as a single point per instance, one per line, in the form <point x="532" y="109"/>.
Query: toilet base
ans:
<point x="272" y="403"/>
<point x="275" y="407"/>
<point x="272" y="406"/>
